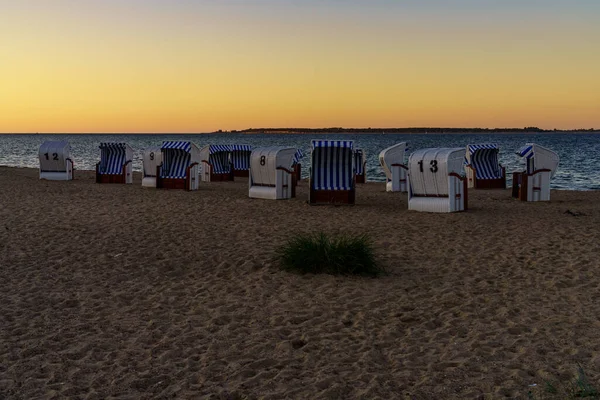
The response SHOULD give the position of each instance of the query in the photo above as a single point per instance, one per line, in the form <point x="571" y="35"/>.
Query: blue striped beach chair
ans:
<point x="332" y="172"/>
<point x="240" y="159"/>
<point x="216" y="163"/>
<point x="55" y="161"/>
<point x="483" y="168"/>
<point x="115" y="163"/>
<point x="533" y="184"/>
<point x="360" y="162"/>
<point x="180" y="166"/>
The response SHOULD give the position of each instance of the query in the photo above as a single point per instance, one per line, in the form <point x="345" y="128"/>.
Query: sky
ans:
<point x="199" y="66"/>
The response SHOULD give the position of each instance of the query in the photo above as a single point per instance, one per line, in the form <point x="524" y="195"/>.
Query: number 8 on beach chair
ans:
<point x="179" y="167"/>
<point x="115" y="163"/>
<point x="55" y="161"/>
<point x="394" y="166"/>
<point x="533" y="184"/>
<point x="332" y="173"/>
<point x="271" y="175"/>
<point x="436" y="180"/>
<point x="482" y="167"/>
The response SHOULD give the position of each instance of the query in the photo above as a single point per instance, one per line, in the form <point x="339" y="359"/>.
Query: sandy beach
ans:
<point x="115" y="291"/>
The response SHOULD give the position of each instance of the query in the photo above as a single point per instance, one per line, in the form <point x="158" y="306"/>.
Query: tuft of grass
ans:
<point x="320" y="253"/>
<point x="582" y="386"/>
<point x="578" y="388"/>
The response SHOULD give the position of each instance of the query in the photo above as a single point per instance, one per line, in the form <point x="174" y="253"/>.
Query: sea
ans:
<point x="578" y="169"/>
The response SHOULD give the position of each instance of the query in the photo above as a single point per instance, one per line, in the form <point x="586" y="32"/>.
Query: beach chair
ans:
<point x="179" y="167"/>
<point x="360" y="163"/>
<point x="216" y="165"/>
<point x="436" y="180"/>
<point x="55" y="161"/>
<point x="482" y="167"/>
<point x="115" y="163"/>
<point x="271" y="173"/>
<point x="533" y="184"/>
<point x="151" y="159"/>
<point x="240" y="159"/>
<point x="332" y="172"/>
<point x="394" y="166"/>
<point x="297" y="166"/>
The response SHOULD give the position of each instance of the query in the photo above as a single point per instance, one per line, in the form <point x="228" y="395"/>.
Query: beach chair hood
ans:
<point x="177" y="157"/>
<point x="484" y="159"/>
<point x="395" y="154"/>
<point x="538" y="157"/>
<point x="240" y="156"/>
<point x="53" y="156"/>
<point x="113" y="156"/>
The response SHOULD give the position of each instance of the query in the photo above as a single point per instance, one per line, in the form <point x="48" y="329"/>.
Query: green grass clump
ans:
<point x="578" y="388"/>
<point x="320" y="253"/>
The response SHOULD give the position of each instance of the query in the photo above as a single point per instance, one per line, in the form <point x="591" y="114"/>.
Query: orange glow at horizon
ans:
<point x="91" y="68"/>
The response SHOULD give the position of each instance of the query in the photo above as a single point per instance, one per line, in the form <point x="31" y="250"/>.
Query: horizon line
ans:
<point x="320" y="130"/>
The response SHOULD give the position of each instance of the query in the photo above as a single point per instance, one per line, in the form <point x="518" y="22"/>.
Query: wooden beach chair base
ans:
<point x="298" y="173"/>
<point x="499" y="183"/>
<point x="111" y="178"/>
<point x="332" y="196"/>
<point x="221" y="177"/>
<point x="241" y="173"/>
<point x="171" y="183"/>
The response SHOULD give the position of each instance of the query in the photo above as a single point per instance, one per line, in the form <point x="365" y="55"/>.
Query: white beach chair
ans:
<point x="179" y="167"/>
<point x="271" y="173"/>
<point x="151" y="159"/>
<point x="436" y="180"/>
<point x="332" y="172"/>
<point x="240" y="159"/>
<point x="115" y="163"/>
<point x="55" y="161"/>
<point x="216" y="165"/>
<point x="360" y="163"/>
<point x="482" y="167"/>
<point x="533" y="184"/>
<point x="394" y="166"/>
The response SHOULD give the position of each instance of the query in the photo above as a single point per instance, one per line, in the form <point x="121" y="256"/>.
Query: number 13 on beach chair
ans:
<point x="436" y="180"/>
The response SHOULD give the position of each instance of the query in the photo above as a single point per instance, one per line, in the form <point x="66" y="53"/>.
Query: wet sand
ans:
<point x="114" y="291"/>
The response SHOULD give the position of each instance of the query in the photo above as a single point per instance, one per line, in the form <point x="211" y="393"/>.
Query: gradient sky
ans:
<point x="199" y="66"/>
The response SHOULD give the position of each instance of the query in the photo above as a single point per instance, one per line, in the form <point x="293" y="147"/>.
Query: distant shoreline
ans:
<point x="406" y="131"/>
<point x="340" y="131"/>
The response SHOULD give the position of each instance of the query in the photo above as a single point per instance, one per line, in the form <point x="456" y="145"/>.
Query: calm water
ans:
<point x="579" y="153"/>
